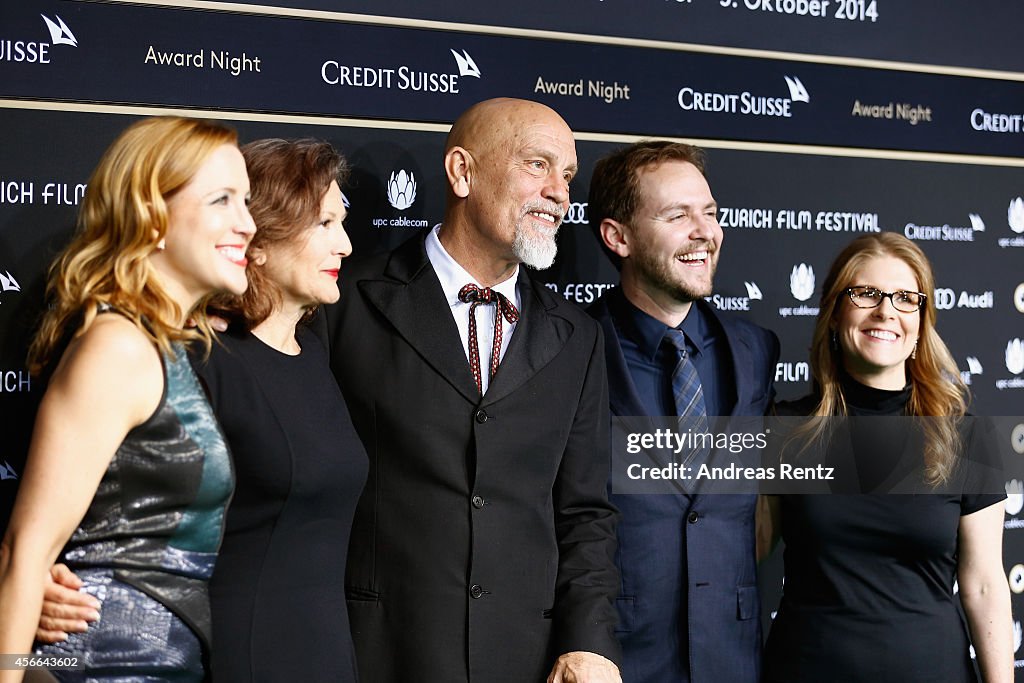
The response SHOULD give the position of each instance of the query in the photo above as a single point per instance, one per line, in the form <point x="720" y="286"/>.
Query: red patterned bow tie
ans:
<point x="473" y="295"/>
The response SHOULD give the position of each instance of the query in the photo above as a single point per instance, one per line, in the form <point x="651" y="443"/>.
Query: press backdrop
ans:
<point x="823" y="120"/>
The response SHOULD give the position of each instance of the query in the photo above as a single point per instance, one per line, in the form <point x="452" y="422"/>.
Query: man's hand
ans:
<point x="584" y="667"/>
<point x="65" y="609"/>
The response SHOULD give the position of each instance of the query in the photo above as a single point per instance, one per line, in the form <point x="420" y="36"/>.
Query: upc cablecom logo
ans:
<point x="36" y="49"/>
<point x="1015" y="364"/>
<point x="1015" y="219"/>
<point x="1015" y="356"/>
<point x="1015" y="215"/>
<point x="401" y="190"/>
<point x="801" y="286"/>
<point x="801" y="282"/>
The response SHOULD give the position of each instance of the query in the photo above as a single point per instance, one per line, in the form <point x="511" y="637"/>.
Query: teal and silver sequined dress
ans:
<point x="147" y="544"/>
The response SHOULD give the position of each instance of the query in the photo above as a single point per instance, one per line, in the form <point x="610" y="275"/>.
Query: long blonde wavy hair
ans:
<point x="935" y="386"/>
<point x="123" y="217"/>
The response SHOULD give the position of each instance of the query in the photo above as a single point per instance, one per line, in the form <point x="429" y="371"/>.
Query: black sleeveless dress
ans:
<point x="278" y="594"/>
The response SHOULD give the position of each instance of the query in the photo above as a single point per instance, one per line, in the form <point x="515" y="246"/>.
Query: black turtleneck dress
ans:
<point x="869" y="581"/>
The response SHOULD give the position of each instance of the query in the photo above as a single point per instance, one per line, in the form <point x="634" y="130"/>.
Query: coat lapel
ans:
<point x="742" y="360"/>
<point x="409" y="295"/>
<point x="623" y="395"/>
<point x="539" y="336"/>
<point x="621" y="391"/>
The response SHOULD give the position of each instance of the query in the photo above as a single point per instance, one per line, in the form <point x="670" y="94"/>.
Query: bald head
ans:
<point x="508" y="163"/>
<point x="500" y="123"/>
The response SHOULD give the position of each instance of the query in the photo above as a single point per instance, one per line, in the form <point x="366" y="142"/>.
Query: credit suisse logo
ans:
<point x="736" y="303"/>
<point x="428" y="77"/>
<point x="945" y="232"/>
<point x="7" y="472"/>
<point x="7" y="284"/>
<point x="37" y="47"/>
<point x="746" y="103"/>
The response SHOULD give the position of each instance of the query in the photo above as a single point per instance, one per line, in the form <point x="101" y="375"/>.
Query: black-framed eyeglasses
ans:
<point x="871" y="297"/>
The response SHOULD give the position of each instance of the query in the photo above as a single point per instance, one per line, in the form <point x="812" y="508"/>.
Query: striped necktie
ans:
<point x="691" y="411"/>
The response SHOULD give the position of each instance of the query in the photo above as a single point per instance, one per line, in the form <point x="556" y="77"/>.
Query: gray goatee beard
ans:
<point x="534" y="249"/>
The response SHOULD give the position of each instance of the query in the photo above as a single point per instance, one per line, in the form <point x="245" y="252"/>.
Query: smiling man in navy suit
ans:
<point x="688" y="605"/>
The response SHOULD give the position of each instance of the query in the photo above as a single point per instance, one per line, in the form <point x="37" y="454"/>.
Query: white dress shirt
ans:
<point x="454" y="277"/>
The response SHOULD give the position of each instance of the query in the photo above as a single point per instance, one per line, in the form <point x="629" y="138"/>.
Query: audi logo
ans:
<point x="576" y="215"/>
<point x="945" y="298"/>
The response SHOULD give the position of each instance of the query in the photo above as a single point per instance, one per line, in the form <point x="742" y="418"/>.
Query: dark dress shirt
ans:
<point x="651" y="362"/>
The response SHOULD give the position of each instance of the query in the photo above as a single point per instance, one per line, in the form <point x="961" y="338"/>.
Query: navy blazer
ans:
<point x="688" y="607"/>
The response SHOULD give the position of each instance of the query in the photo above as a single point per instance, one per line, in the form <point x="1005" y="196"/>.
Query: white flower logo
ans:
<point x="401" y="190"/>
<point x="1015" y="215"/>
<point x="1015" y="356"/>
<point x="1014" y="496"/>
<point x="801" y="282"/>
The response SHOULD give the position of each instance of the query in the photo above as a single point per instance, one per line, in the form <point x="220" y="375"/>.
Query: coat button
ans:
<point x="476" y="591"/>
<point x="478" y="502"/>
<point x="481" y="416"/>
<point x="692" y="518"/>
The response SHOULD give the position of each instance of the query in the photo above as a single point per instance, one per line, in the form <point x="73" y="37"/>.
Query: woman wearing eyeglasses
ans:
<point x="869" y="590"/>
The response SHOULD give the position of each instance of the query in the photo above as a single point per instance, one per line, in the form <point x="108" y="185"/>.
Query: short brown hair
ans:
<point x="288" y="180"/>
<point x="615" y="184"/>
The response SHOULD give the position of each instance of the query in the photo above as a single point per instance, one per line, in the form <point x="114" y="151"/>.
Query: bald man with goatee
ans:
<point x="483" y="545"/>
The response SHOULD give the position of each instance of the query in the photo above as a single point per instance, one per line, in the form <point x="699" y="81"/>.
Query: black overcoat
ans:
<point x="483" y="544"/>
